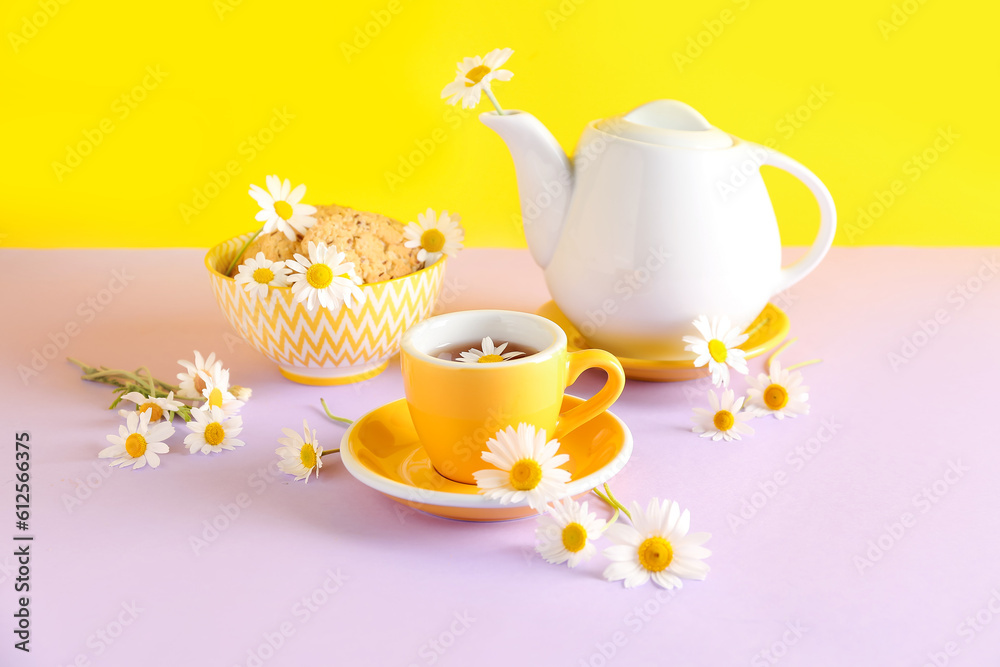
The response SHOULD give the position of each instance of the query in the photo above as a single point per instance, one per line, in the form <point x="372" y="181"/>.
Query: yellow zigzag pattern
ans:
<point x="290" y="335"/>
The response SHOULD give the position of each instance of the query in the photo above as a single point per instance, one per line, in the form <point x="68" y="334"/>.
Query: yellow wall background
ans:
<point x="166" y="95"/>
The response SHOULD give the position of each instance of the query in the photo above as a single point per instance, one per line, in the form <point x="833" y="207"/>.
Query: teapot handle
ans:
<point x="827" y="219"/>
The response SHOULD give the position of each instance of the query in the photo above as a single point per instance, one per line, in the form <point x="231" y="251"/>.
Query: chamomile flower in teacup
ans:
<point x="192" y="380"/>
<point x="301" y="455"/>
<point x="137" y="443"/>
<point x="280" y="210"/>
<point x="565" y="534"/>
<point x="725" y="421"/>
<point x="435" y="235"/>
<point x="489" y="354"/>
<point x="258" y="274"/>
<point x="526" y="467"/>
<point x="718" y="347"/>
<point x="324" y="279"/>
<point x="779" y="392"/>
<point x="473" y="76"/>
<point x="158" y="406"/>
<point x="656" y="546"/>
<point x="212" y="431"/>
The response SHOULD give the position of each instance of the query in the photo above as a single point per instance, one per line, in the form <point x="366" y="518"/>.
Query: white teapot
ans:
<point x="660" y="218"/>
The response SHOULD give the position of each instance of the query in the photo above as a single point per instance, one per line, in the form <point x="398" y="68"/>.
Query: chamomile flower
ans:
<point x="300" y="456"/>
<point x="217" y="393"/>
<point x="192" y="380"/>
<point x="324" y="279"/>
<point x="280" y="209"/>
<point x="473" y="76"/>
<point x="212" y="431"/>
<point x="138" y="443"/>
<point x="779" y="392"/>
<point x="718" y="348"/>
<point x="157" y="406"/>
<point x="435" y="235"/>
<point x="489" y="353"/>
<point x="258" y="274"/>
<point x="565" y="533"/>
<point x="656" y="546"/>
<point x="526" y="467"/>
<point x="725" y="420"/>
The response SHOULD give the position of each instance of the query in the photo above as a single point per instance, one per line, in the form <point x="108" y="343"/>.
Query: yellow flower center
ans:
<point x="489" y="359"/>
<point x="718" y="350"/>
<point x="283" y="209"/>
<point x="215" y="398"/>
<point x="215" y="434"/>
<point x="308" y="456"/>
<point x="432" y="240"/>
<point x="319" y="276"/>
<point x="525" y="474"/>
<point x="775" y="397"/>
<point x="574" y="537"/>
<point x="724" y="420"/>
<point x="475" y="75"/>
<point x="135" y="445"/>
<point x="156" y="412"/>
<point x="263" y="276"/>
<point x="655" y="554"/>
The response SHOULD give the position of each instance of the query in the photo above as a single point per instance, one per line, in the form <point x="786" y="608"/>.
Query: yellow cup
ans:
<point x="456" y="407"/>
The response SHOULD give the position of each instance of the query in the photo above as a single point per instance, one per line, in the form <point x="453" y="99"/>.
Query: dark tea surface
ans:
<point x="510" y="351"/>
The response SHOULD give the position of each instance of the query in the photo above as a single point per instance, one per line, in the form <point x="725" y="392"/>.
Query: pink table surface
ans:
<point x="875" y="539"/>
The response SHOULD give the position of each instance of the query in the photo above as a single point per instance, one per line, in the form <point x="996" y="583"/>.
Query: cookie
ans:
<point x="275" y="246"/>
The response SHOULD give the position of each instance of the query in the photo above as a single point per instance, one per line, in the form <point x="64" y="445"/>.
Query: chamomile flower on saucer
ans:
<point x="489" y="353"/>
<point x="718" y="347"/>
<point x="473" y="76"/>
<point x="137" y="443"/>
<point x="779" y="392"/>
<point x="300" y="456"/>
<point x="157" y="406"/>
<point x="212" y="431"/>
<point x="725" y="420"/>
<point x="566" y="533"/>
<point x="258" y="274"/>
<point x="325" y="279"/>
<point x="435" y="235"/>
<point x="192" y="380"/>
<point x="526" y="467"/>
<point x="217" y="393"/>
<point x="280" y="209"/>
<point x="656" y="546"/>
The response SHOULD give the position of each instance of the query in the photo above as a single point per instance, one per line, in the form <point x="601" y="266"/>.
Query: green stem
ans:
<point x="239" y="255"/>
<point x="330" y="451"/>
<point x="616" y="502"/>
<point x="332" y="416"/>
<point x="149" y="379"/>
<point x="489" y="94"/>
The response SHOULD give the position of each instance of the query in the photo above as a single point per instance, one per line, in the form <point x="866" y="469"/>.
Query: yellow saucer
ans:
<point x="382" y="451"/>
<point x="769" y="329"/>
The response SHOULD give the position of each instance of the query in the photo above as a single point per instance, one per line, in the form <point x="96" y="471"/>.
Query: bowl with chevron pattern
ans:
<point x="323" y="347"/>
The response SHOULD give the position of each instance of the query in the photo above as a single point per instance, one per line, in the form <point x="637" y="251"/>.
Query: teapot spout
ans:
<point x="544" y="178"/>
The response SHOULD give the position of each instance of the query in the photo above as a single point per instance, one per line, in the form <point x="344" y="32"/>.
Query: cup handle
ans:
<point x="827" y="219"/>
<point x="577" y="363"/>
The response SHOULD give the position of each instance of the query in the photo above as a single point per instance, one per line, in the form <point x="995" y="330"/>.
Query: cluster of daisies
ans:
<point x="779" y="392"/>
<point x="656" y="544"/>
<point x="323" y="278"/>
<point x="203" y="398"/>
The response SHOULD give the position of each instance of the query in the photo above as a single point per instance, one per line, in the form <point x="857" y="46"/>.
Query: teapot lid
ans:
<point x="667" y="123"/>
